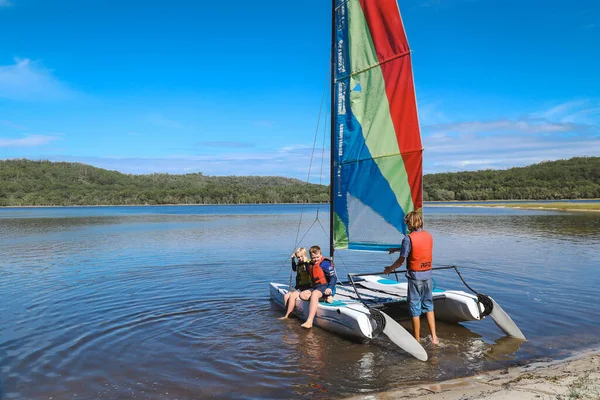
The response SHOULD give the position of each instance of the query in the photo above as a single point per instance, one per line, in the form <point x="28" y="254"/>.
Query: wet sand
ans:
<point x="523" y="206"/>
<point x="577" y="377"/>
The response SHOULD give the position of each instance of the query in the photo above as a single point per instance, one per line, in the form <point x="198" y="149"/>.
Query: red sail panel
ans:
<point x="391" y="45"/>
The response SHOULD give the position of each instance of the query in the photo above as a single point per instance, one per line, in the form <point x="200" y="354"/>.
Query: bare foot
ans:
<point x="435" y="340"/>
<point x="284" y="317"/>
<point x="329" y="299"/>
<point x="306" y="325"/>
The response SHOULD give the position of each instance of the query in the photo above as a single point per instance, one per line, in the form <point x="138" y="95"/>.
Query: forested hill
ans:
<point x="575" y="178"/>
<point x="25" y="182"/>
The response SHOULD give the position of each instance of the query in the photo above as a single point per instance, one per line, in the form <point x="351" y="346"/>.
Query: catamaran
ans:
<point x="376" y="178"/>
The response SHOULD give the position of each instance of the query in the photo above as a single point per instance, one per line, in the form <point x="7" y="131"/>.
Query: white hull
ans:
<point x="449" y="305"/>
<point x="347" y="316"/>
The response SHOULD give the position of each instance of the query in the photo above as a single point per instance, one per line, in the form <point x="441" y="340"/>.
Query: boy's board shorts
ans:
<point x="420" y="296"/>
<point x="321" y="288"/>
<point x="302" y="288"/>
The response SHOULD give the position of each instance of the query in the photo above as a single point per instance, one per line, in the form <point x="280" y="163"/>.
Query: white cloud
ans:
<point x="560" y="110"/>
<point x="295" y="148"/>
<point x="29" y="81"/>
<point x="558" y="132"/>
<point x="291" y="162"/>
<point x="27" y="141"/>
<point x="578" y="112"/>
<point x="430" y="113"/>
<point x="563" y="131"/>
<point x="505" y="125"/>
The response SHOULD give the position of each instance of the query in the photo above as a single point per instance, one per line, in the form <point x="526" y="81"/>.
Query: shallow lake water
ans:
<point x="173" y="302"/>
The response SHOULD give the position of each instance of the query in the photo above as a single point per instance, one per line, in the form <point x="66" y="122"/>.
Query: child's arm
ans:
<point x="404" y="250"/>
<point x="329" y="270"/>
<point x="395" y="265"/>
<point x="394" y="249"/>
<point x="294" y="264"/>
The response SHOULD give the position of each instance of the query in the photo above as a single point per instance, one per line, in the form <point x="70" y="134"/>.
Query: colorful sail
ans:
<point x="377" y="152"/>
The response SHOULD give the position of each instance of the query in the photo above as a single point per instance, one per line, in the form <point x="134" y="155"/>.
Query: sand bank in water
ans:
<point x="577" y="377"/>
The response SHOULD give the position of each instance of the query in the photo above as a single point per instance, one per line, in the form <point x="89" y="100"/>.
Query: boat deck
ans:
<point x="380" y="292"/>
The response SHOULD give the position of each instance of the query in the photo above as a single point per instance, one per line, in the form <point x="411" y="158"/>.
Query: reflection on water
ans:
<point x="172" y="302"/>
<point x="505" y="348"/>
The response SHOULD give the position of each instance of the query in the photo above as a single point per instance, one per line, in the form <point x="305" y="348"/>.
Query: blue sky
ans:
<point x="234" y="87"/>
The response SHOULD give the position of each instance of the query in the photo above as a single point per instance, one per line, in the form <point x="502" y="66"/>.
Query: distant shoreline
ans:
<point x="164" y="205"/>
<point x="586" y="205"/>
<point x="510" y="201"/>
<point x="562" y="206"/>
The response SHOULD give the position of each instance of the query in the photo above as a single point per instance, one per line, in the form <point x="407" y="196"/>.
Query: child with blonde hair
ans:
<point x="301" y="269"/>
<point x="323" y="278"/>
<point x="300" y="264"/>
<point x="417" y="249"/>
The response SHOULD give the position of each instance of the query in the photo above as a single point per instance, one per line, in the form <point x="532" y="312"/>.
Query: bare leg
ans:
<point x="305" y="295"/>
<point x="416" y="322"/>
<point x="312" y="309"/>
<point x="291" y="303"/>
<point x="431" y="322"/>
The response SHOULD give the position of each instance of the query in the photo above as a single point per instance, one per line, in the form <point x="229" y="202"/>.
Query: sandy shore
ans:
<point x="532" y="207"/>
<point x="577" y="377"/>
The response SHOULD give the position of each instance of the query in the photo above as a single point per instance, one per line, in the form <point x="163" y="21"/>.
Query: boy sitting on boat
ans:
<point x="323" y="277"/>
<point x="417" y="248"/>
<point x="323" y="280"/>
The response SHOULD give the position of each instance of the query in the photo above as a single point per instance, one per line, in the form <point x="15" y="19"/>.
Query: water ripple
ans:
<point x="173" y="303"/>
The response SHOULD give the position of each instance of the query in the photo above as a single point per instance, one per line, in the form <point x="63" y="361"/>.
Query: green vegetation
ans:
<point x="39" y="183"/>
<point x="576" y="178"/>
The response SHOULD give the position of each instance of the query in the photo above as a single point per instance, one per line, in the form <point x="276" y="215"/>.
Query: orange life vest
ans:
<point x="317" y="276"/>
<point x="421" y="251"/>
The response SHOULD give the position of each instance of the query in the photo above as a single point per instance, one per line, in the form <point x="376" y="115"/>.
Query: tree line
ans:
<point x="39" y="183"/>
<point x="575" y="178"/>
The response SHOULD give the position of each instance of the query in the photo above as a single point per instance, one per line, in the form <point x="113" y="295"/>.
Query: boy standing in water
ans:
<point x="324" y="279"/>
<point x="417" y="248"/>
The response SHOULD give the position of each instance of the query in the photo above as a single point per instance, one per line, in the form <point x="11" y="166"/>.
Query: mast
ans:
<point x="331" y="133"/>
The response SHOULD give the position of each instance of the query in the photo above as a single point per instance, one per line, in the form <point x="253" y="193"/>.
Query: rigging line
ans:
<point x="401" y="298"/>
<point x="323" y="150"/>
<point x="311" y="158"/>
<point x="337" y="253"/>
<point x="302" y="238"/>
<point x="467" y="267"/>
<point x="486" y="271"/>
<point x="393" y="261"/>
<point x="323" y="146"/>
